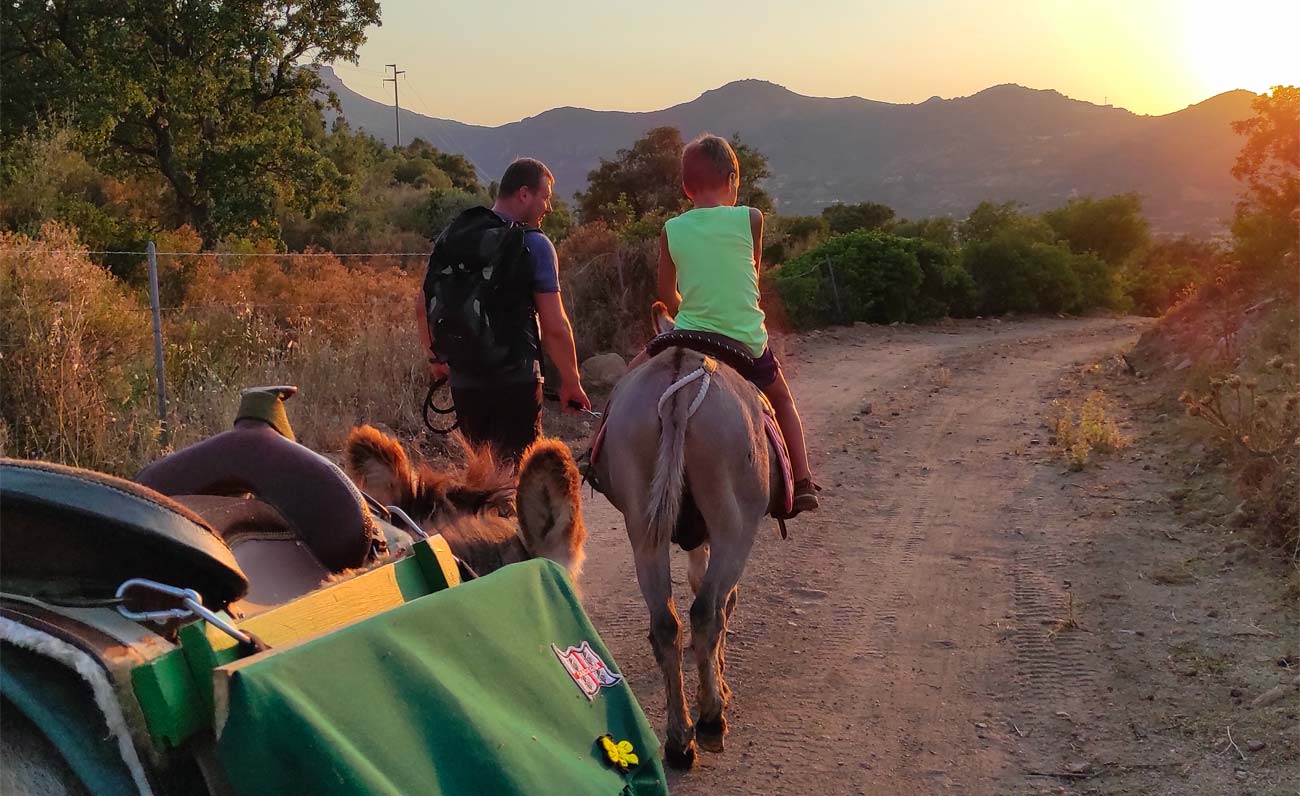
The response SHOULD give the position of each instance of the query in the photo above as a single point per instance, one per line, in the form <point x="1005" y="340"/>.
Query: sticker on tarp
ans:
<point x="618" y="754"/>
<point x="587" y="669"/>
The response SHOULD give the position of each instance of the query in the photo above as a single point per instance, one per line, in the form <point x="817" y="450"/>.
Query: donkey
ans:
<point x="691" y="464"/>
<point x="475" y="509"/>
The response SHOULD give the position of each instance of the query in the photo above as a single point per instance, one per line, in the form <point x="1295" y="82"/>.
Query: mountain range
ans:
<point x="938" y="157"/>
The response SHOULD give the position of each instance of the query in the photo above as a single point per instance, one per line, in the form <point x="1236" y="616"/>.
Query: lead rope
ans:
<point x="698" y="373"/>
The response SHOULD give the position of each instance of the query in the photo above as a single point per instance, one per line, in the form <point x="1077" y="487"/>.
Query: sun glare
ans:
<point x="1250" y="45"/>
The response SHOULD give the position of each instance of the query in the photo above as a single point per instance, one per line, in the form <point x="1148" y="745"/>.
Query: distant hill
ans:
<point x="938" y="157"/>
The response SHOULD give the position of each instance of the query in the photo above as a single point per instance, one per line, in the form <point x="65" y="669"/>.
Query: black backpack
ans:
<point x="478" y="294"/>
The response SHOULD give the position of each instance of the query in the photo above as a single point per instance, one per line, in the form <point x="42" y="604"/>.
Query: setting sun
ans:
<point x="1242" y="45"/>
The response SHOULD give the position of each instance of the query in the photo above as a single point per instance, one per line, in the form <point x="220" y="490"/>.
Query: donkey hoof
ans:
<point x="709" y="733"/>
<point x="681" y="759"/>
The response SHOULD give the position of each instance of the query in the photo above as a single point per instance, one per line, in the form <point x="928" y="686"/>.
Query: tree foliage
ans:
<point x="212" y="96"/>
<point x="867" y="216"/>
<point x="1266" y="225"/>
<point x="990" y="219"/>
<point x="644" y="181"/>
<point x="1169" y="271"/>
<point x="1113" y="228"/>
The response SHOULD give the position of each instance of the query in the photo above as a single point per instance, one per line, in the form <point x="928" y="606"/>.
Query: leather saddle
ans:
<point x="248" y="518"/>
<point x="290" y="516"/>
<point x="718" y="346"/>
<point x="71" y="532"/>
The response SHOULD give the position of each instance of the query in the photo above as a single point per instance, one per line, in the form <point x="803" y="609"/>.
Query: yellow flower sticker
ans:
<point x="618" y="754"/>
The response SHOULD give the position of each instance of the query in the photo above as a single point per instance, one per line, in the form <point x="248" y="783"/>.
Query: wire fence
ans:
<point x="356" y="293"/>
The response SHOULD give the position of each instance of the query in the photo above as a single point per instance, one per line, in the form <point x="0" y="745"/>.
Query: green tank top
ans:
<point x="713" y="249"/>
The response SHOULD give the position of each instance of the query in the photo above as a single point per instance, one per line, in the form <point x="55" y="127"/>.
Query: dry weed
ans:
<point x="1090" y="429"/>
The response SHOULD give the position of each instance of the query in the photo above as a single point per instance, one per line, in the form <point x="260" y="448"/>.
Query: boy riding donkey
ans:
<point x="709" y="261"/>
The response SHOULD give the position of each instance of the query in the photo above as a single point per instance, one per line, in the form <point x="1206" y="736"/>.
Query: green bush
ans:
<point x="1017" y="274"/>
<point x="1170" y="271"/>
<point x="937" y="229"/>
<point x="1113" y="228"/>
<point x="1099" y="285"/>
<point x="946" y="288"/>
<point x="785" y="237"/>
<point x="861" y="276"/>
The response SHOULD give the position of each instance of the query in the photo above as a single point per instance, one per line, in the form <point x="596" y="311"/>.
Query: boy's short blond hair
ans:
<point x="707" y="163"/>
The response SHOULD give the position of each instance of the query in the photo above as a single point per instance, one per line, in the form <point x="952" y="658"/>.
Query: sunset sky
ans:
<point x="496" y="62"/>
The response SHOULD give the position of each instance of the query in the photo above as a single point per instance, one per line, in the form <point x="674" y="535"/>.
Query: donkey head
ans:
<point x="488" y="516"/>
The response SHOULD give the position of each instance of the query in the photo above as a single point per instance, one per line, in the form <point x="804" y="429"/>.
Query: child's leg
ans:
<point x="787" y="416"/>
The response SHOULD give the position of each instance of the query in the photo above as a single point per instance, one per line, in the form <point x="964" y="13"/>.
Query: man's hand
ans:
<point x="573" y="399"/>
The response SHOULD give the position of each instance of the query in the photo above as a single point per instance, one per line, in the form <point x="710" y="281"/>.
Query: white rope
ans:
<point x="682" y="382"/>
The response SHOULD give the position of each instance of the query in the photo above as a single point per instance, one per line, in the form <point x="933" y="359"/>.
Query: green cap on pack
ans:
<point x="267" y="404"/>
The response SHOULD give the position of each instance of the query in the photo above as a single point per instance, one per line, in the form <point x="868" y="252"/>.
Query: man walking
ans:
<point x="491" y="305"/>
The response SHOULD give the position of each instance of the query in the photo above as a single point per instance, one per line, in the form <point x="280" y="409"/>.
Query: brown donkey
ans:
<point x="475" y="509"/>
<point x="685" y="458"/>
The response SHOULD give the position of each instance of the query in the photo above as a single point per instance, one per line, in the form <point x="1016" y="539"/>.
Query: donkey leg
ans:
<point x="722" y="646"/>
<point x="654" y="576"/>
<point x="697" y="564"/>
<point x="708" y="626"/>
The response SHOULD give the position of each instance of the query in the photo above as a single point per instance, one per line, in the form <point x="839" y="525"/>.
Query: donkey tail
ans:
<point x="669" y="482"/>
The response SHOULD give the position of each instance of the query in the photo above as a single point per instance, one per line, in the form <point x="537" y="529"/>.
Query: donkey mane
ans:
<point x="489" y="515"/>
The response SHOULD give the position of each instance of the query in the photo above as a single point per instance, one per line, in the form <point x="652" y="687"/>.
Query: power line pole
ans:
<point x="397" y="118"/>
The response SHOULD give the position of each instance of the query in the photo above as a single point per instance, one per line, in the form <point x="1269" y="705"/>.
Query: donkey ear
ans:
<point x="549" y="502"/>
<point x="377" y="464"/>
<point x="660" y="319"/>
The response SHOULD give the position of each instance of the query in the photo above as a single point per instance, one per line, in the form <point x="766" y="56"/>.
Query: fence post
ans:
<point x="156" y="305"/>
<point x="835" y="291"/>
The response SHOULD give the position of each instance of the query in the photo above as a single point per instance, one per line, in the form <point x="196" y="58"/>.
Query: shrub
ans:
<point x="861" y="276"/>
<point x="946" y="287"/>
<point x="785" y="237"/>
<point x="1099" y="285"/>
<point x="76" y="380"/>
<point x="1015" y="273"/>
<point x="608" y="284"/>
<point x="1091" y="429"/>
<point x="1170" y="271"/>
<point x="1257" y="421"/>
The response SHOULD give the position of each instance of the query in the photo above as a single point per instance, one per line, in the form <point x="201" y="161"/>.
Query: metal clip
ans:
<point x="405" y="520"/>
<point x="163" y="615"/>
<point x="376" y="506"/>
<point x="191" y="605"/>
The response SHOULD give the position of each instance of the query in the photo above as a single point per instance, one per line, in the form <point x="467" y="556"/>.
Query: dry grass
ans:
<point x="74" y="387"/>
<point x="1090" y="429"/>
<point x="605" y="283"/>
<point x="76" y="363"/>
<point x="1255" y="419"/>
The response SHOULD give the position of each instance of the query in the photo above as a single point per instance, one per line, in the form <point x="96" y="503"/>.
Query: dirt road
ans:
<point x="900" y="641"/>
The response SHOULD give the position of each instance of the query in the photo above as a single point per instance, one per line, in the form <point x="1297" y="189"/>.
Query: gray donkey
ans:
<point x="685" y="458"/>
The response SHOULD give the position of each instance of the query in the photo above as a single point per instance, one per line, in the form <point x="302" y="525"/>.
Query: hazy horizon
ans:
<point x="514" y="60"/>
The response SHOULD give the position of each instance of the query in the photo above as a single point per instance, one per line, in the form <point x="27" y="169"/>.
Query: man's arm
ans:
<point x="557" y="339"/>
<point x="756" y="232"/>
<point x="437" y="370"/>
<point x="667" y="281"/>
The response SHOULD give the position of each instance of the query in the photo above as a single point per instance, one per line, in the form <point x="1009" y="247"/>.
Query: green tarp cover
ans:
<point x="464" y="691"/>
